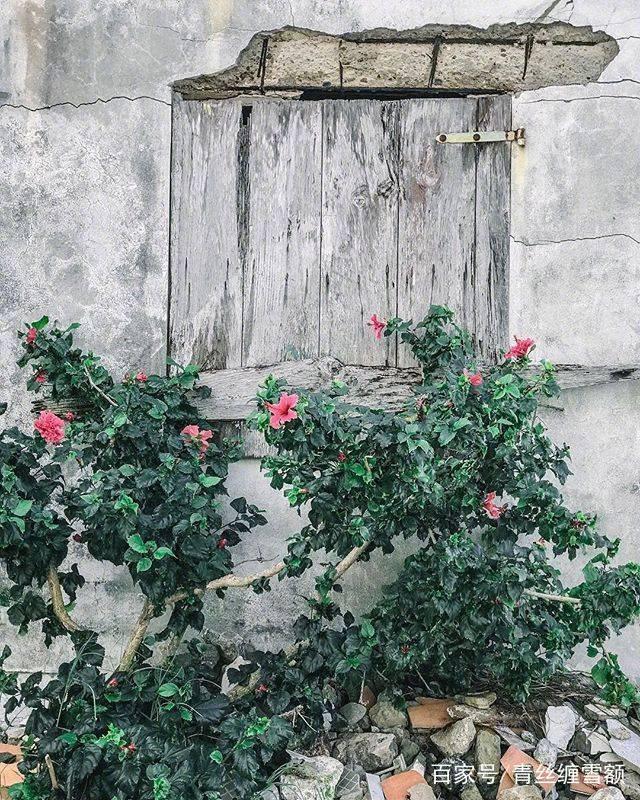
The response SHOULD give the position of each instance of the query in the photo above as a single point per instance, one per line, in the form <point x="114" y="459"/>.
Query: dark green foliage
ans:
<point x="459" y="612"/>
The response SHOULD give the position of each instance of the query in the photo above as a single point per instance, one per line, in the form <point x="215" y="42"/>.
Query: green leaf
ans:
<point x="41" y="323"/>
<point x="216" y="756"/>
<point x="168" y="690"/>
<point x="209" y="480"/>
<point x="163" y="552"/>
<point x="22" y="508"/>
<point x="119" y="419"/>
<point x="143" y="565"/>
<point x="136" y="543"/>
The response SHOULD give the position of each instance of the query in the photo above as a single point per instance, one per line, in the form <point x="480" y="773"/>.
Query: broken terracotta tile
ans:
<point x="367" y="697"/>
<point x="580" y="787"/>
<point x="505" y="783"/>
<point x="543" y="776"/>
<point x="397" y="786"/>
<point x="431" y="713"/>
<point x="9" y="773"/>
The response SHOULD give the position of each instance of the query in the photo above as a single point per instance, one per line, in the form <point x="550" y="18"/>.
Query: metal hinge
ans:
<point x="482" y="136"/>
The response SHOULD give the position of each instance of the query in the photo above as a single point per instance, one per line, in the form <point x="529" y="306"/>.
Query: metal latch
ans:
<point x="482" y="136"/>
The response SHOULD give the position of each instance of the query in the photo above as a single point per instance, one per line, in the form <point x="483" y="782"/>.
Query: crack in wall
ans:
<point x="577" y="239"/>
<point x="579" y="99"/>
<point x="97" y="101"/>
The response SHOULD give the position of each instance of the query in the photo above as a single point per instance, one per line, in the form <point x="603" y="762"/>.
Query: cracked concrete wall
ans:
<point x="84" y="138"/>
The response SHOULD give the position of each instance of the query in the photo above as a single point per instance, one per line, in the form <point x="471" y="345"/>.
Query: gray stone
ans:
<point x="352" y="714"/>
<point x="421" y="791"/>
<point x="608" y="793"/>
<point x="349" y="782"/>
<point x="296" y="59"/>
<point x="488" y="752"/>
<point x="385" y="715"/>
<point x="600" y="712"/>
<point x="627" y="749"/>
<point x="14" y="733"/>
<point x="310" y="778"/>
<point x="484" y="700"/>
<point x="591" y="742"/>
<point x="456" y="739"/>
<point x="546" y="753"/>
<point x="470" y="792"/>
<point x="512" y="738"/>
<point x="409" y="749"/>
<point x="630" y="785"/>
<point x="560" y="725"/>
<point x="523" y="792"/>
<point x="617" y="730"/>
<point x="373" y="751"/>
<point x="271" y="793"/>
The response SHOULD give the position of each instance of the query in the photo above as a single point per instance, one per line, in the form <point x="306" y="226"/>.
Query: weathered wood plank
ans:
<point x="233" y="390"/>
<point x="282" y="278"/>
<point x="359" y="227"/>
<point x="437" y="209"/>
<point x="493" y="199"/>
<point x="205" y="320"/>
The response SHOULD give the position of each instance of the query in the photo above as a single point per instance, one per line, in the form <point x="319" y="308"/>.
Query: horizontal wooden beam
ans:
<point x="233" y="390"/>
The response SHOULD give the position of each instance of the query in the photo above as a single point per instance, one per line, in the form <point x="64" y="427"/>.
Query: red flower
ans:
<point x="262" y="688"/>
<point x="194" y="433"/>
<point x="222" y="543"/>
<point x="113" y="683"/>
<point x="378" y="326"/>
<point x="31" y="335"/>
<point x="474" y="379"/>
<point x="405" y="649"/>
<point x="41" y="376"/>
<point x="141" y="377"/>
<point x="77" y="537"/>
<point x="282" y="411"/>
<point x="491" y="508"/>
<point x="50" y="427"/>
<point x="130" y="747"/>
<point x="69" y="416"/>
<point x="520" y="349"/>
<point x="341" y="456"/>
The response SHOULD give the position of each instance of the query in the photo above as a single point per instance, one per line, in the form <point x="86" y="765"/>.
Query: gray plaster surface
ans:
<point x="84" y="190"/>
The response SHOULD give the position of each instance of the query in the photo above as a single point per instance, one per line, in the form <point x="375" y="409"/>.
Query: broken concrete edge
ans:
<point x="505" y="57"/>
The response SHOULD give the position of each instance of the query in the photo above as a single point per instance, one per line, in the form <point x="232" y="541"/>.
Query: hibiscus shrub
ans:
<point x="124" y="471"/>
<point x="466" y="467"/>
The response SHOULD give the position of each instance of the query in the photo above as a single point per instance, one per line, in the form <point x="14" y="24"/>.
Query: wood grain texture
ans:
<point x="205" y="313"/>
<point x="233" y="390"/>
<point x="281" y="286"/>
<point x="437" y="212"/>
<point x="492" y="220"/>
<point x="359" y="227"/>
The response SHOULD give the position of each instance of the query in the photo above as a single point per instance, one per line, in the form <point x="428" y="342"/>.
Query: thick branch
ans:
<point x="554" y="598"/>
<point x="138" y="634"/>
<point x="230" y="582"/>
<point x="57" y="601"/>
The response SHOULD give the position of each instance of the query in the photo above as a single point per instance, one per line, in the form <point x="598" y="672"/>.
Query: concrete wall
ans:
<point x="84" y="147"/>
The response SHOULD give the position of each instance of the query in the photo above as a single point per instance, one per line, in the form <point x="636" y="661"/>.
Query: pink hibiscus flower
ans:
<point x="378" y="326"/>
<point x="31" y="335"/>
<point x="520" y="349"/>
<point x="196" y="435"/>
<point x="41" y="376"/>
<point x="50" y="426"/>
<point x="283" y="410"/>
<point x="141" y="377"/>
<point x="474" y="379"/>
<point x="492" y="509"/>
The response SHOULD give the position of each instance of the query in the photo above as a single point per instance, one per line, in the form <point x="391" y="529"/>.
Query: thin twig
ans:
<point x="52" y="772"/>
<point x="554" y="598"/>
<point x="109" y="400"/>
<point x="57" y="602"/>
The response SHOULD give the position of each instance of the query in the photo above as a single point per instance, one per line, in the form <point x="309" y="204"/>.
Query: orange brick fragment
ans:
<point x="543" y="776"/>
<point x="580" y="787"/>
<point x="9" y="773"/>
<point x="431" y="713"/>
<point x="397" y="786"/>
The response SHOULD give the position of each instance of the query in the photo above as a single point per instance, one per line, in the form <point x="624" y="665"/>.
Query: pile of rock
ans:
<point x="471" y="748"/>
